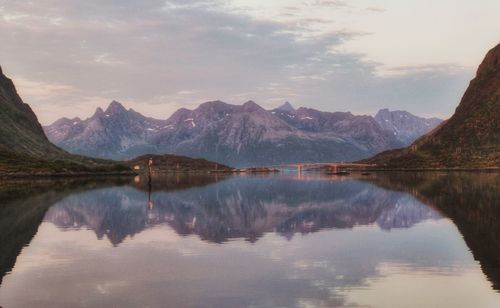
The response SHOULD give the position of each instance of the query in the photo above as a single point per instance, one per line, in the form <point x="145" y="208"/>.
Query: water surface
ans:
<point x="385" y="240"/>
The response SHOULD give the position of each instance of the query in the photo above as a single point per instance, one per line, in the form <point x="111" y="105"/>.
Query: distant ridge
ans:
<point x="470" y="138"/>
<point x="404" y="125"/>
<point x="234" y="135"/>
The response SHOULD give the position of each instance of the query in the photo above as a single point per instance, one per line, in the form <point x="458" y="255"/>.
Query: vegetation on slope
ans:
<point x="24" y="148"/>
<point x="470" y="138"/>
<point x="175" y="163"/>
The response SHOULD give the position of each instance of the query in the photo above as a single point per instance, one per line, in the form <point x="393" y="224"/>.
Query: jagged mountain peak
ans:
<point x="387" y="111"/>
<point x="214" y="106"/>
<point x="180" y="115"/>
<point x="384" y="111"/>
<point x="63" y="121"/>
<point x="404" y="125"/>
<point x="98" y="112"/>
<point x="213" y="103"/>
<point x="251" y="106"/>
<point x="115" y="108"/>
<point x="286" y="107"/>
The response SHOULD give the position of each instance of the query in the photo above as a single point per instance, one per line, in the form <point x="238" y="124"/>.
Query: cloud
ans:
<point x="151" y="54"/>
<point x="326" y="3"/>
<point x="375" y="9"/>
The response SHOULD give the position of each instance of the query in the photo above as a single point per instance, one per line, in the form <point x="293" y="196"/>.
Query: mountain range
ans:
<point x="243" y="135"/>
<point x="238" y="135"/>
<point x="470" y="138"/>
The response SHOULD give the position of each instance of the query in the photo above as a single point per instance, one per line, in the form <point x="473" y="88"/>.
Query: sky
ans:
<point x="68" y="57"/>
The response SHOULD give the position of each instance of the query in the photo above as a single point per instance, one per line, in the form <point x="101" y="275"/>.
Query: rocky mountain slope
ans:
<point x="470" y="138"/>
<point x="362" y="131"/>
<point x="235" y="135"/>
<point x="404" y="125"/>
<point x="20" y="131"/>
<point x="24" y="148"/>
<point x="106" y="133"/>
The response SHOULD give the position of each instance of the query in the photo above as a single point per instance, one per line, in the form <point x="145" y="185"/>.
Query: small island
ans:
<point x="169" y="163"/>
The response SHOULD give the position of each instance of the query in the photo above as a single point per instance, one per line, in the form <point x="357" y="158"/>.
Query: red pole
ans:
<point x="150" y="166"/>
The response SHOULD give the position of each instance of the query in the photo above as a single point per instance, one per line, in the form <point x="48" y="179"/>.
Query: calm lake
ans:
<point x="381" y="240"/>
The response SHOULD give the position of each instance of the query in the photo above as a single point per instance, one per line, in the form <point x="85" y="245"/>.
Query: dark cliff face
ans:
<point x="25" y="149"/>
<point x="476" y="122"/>
<point x="20" y="131"/>
<point x="470" y="138"/>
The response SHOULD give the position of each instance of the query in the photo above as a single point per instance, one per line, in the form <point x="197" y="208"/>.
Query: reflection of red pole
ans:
<point x="150" y="167"/>
<point x="150" y="202"/>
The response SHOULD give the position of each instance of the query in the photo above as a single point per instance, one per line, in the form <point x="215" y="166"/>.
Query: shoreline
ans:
<point x="21" y="175"/>
<point x="496" y="169"/>
<point x="24" y="175"/>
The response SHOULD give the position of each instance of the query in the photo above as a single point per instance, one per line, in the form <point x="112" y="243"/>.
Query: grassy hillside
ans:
<point x="174" y="163"/>
<point x="24" y="148"/>
<point x="470" y="138"/>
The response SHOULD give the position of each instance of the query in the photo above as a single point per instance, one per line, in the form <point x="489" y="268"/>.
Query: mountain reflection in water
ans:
<point x="367" y="231"/>
<point x="240" y="208"/>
